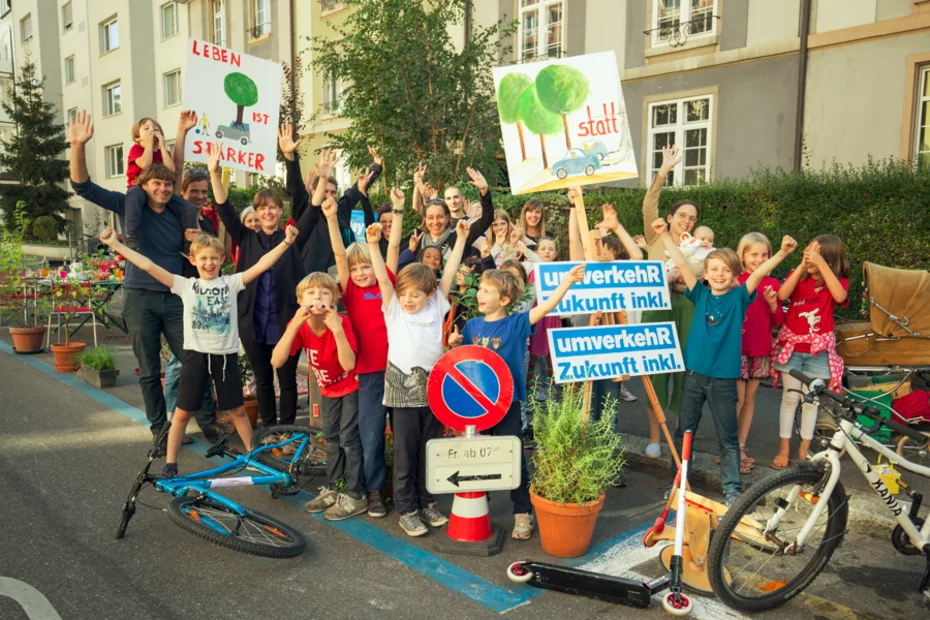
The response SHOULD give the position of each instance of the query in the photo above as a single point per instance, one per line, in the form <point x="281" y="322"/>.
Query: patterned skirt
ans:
<point x="401" y="390"/>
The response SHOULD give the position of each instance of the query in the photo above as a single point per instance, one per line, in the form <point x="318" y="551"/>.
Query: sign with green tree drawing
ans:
<point x="578" y="98"/>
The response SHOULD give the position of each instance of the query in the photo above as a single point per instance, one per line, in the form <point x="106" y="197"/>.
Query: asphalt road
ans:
<point x="68" y="455"/>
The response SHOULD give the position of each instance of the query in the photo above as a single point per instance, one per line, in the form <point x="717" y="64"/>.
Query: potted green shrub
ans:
<point x="26" y="333"/>
<point x="575" y="461"/>
<point x="98" y="367"/>
<point x="69" y="298"/>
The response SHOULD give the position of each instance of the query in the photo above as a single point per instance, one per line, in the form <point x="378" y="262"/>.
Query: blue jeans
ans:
<point x="207" y="412"/>
<point x="721" y="395"/>
<point x="372" y="415"/>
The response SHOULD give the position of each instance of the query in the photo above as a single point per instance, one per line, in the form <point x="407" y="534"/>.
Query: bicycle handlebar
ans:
<point x="818" y="387"/>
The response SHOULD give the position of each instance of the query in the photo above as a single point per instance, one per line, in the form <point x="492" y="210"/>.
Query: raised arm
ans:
<point x="418" y="189"/>
<point x="833" y="283"/>
<point x="80" y="131"/>
<point x="660" y="231"/>
<point x="186" y="121"/>
<point x="671" y="156"/>
<point x="162" y="146"/>
<point x="455" y="258"/>
<point x="270" y="257"/>
<point x="487" y="207"/>
<point x="108" y="237"/>
<point x="397" y="229"/>
<point x="788" y="245"/>
<point x="363" y="183"/>
<point x="539" y="312"/>
<point x="234" y="226"/>
<point x="220" y="194"/>
<point x="339" y="248"/>
<point x="610" y="222"/>
<point x="147" y="143"/>
<point x="791" y="282"/>
<point x="575" y="246"/>
<point x="282" y="351"/>
<point x="344" y="351"/>
<point x="373" y="236"/>
<point x="328" y="161"/>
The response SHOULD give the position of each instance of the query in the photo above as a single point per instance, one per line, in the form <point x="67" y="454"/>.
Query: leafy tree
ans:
<point x="32" y="153"/>
<point x="538" y="119"/>
<point x="410" y="92"/>
<point x="562" y="90"/>
<point x="291" y="109"/>
<point x="508" y="102"/>
<point x="242" y="91"/>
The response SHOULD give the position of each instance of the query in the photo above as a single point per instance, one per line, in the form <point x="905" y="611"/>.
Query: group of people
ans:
<point x="374" y="361"/>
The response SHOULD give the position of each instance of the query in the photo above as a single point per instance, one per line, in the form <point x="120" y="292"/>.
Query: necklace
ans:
<point x="714" y="311"/>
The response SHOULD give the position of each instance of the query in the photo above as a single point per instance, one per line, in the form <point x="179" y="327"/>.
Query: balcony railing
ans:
<point x="331" y="6"/>
<point x="677" y="35"/>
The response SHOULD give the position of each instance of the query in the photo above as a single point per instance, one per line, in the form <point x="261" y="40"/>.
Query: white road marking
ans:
<point x="31" y="600"/>
<point x="621" y="560"/>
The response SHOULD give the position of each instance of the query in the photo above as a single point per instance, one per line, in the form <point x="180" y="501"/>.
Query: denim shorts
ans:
<point x="813" y="366"/>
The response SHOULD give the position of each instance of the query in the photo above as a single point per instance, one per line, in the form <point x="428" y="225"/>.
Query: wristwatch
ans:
<point x="398" y="211"/>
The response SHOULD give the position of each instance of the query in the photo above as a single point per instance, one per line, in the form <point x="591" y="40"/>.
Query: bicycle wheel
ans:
<point x="251" y="532"/>
<point x="915" y="451"/>
<point x="752" y="569"/>
<point x="129" y="506"/>
<point x="312" y="462"/>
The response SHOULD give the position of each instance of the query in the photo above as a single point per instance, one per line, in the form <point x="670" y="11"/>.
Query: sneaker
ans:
<point x="522" y="526"/>
<point x="653" y="450"/>
<point x="170" y="470"/>
<point x="324" y="499"/>
<point x="376" y="507"/>
<point x="411" y="524"/>
<point x="732" y="499"/>
<point x="626" y="395"/>
<point x="345" y="507"/>
<point x="211" y="432"/>
<point x="432" y="516"/>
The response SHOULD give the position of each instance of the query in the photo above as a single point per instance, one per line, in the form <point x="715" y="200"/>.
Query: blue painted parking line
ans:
<point x="452" y="576"/>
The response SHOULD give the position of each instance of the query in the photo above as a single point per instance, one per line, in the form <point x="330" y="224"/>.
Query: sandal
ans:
<point x="780" y="462"/>
<point x="745" y="466"/>
<point x="744" y="455"/>
<point x="802" y="453"/>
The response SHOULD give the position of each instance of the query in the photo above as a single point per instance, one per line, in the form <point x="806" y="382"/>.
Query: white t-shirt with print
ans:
<point x="211" y="314"/>
<point x="415" y="340"/>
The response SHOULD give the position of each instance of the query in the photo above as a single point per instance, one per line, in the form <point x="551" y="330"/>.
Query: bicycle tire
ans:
<point x="312" y="465"/>
<point x="255" y="533"/>
<point x="806" y="474"/>
<point x="129" y="507"/>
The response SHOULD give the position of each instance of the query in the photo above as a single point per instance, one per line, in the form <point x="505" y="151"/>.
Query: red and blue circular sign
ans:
<point x="470" y="386"/>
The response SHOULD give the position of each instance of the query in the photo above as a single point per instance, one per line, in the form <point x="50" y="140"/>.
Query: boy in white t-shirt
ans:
<point x="413" y="313"/>
<point x="211" y="331"/>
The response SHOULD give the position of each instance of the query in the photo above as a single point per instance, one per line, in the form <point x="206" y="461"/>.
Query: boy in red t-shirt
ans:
<point x="149" y="151"/>
<point x="329" y="341"/>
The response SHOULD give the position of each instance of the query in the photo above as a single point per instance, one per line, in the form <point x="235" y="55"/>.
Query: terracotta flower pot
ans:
<point x="27" y="339"/>
<point x="65" y="356"/>
<point x="251" y="410"/>
<point x="565" y="530"/>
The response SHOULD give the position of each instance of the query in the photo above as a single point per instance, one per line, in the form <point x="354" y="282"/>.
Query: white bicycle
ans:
<point x="782" y="532"/>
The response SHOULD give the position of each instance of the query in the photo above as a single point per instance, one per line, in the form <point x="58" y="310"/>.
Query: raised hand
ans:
<point x="516" y="235"/>
<point x="608" y="218"/>
<point x="330" y="208"/>
<point x="455" y="338"/>
<point x="485" y="249"/>
<point x="574" y="194"/>
<point x="80" y="129"/>
<point x="286" y="140"/>
<point x="641" y="242"/>
<point x="788" y="244"/>
<point x="187" y="120"/>
<point x="213" y="157"/>
<point x="771" y="297"/>
<point x="333" y="321"/>
<point x="397" y="198"/>
<point x="430" y="192"/>
<point x="415" y="241"/>
<point x="192" y="233"/>
<point x="363" y="180"/>
<point x="308" y="182"/>
<point x="660" y="227"/>
<point x="108" y="236"/>
<point x="378" y="159"/>
<point x="461" y="229"/>
<point x="373" y="234"/>
<point x="671" y="157"/>
<point x="290" y="234"/>
<point x="576" y="274"/>
<point x="419" y="175"/>
<point x="328" y="160"/>
<point x="159" y="139"/>
<point x="477" y="180"/>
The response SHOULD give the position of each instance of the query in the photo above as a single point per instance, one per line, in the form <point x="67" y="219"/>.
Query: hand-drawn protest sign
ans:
<point x="607" y="287"/>
<point x="564" y="123"/>
<point x="605" y="352"/>
<point x="236" y="98"/>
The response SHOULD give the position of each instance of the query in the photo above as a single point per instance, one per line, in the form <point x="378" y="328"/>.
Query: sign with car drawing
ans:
<point x="564" y="123"/>
<point x="237" y="98"/>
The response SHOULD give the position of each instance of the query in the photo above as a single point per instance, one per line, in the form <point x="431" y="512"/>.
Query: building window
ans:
<point x="542" y="29"/>
<point x="261" y="18"/>
<point x="69" y="70"/>
<point x="219" y="22"/>
<point x="112" y="100"/>
<point x="922" y="128"/>
<point x="687" y="123"/>
<point x="25" y="28"/>
<point x="332" y="95"/>
<point x="109" y="36"/>
<point x="169" y="20"/>
<point x="67" y="21"/>
<point x="72" y="114"/>
<point x="331" y="6"/>
<point x="674" y="20"/>
<point x="172" y="84"/>
<point x="114" y="159"/>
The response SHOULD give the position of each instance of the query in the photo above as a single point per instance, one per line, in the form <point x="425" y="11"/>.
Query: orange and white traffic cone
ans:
<point x="470" y="531"/>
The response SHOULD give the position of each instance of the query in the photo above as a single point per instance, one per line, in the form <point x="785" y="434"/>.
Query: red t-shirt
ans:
<point x="811" y="309"/>
<point x="364" y="307"/>
<point x="759" y="321"/>
<point x="334" y="381"/>
<point x="132" y="169"/>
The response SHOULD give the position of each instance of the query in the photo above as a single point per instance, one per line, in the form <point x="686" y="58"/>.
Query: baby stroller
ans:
<point x="887" y="355"/>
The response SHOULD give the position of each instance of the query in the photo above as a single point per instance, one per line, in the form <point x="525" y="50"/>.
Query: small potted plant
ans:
<point x="98" y="367"/>
<point x="27" y="334"/>
<point x="251" y="401"/>
<point x="575" y="462"/>
<point x="69" y="298"/>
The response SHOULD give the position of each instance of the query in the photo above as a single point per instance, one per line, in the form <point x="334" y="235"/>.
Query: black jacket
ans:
<point x="287" y="272"/>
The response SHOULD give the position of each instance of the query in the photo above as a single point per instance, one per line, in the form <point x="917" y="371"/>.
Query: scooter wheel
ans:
<point x="519" y="573"/>
<point x="681" y="608"/>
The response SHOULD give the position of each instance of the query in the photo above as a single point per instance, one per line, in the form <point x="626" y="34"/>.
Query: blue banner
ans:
<point x="607" y="287"/>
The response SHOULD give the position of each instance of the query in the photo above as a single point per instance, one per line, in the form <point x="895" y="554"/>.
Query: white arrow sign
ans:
<point x="479" y="463"/>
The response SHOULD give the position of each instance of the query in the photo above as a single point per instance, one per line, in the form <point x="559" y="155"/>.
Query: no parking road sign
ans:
<point x="470" y="386"/>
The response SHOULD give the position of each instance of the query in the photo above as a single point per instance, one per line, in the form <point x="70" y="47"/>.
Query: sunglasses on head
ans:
<point x="434" y="201"/>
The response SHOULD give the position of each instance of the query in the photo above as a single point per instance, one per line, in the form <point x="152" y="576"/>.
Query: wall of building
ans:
<point x="772" y="20"/>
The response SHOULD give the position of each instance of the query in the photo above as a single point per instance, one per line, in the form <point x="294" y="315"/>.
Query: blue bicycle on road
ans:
<point x="282" y="455"/>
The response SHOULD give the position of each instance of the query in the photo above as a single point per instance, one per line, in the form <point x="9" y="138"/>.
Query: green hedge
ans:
<point x="881" y="211"/>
